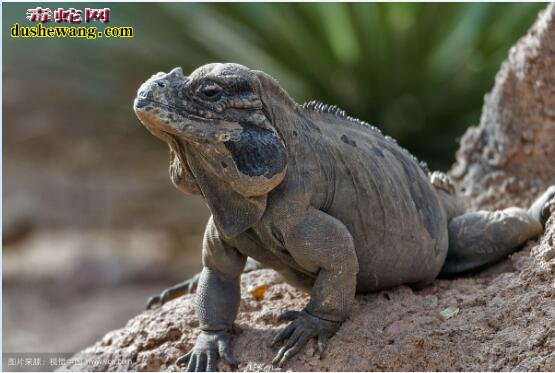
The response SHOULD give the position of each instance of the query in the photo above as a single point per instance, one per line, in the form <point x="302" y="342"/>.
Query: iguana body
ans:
<point x="322" y="198"/>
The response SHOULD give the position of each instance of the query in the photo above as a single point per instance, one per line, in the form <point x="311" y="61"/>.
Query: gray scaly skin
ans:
<point x="324" y="199"/>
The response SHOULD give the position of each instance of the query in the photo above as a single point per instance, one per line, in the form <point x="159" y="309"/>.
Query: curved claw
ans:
<point x="293" y="345"/>
<point x="547" y="210"/>
<point x="201" y="363"/>
<point x="211" y="362"/>
<point x="541" y="207"/>
<point x="159" y="300"/>
<point x="225" y="353"/>
<point x="186" y="287"/>
<point x="442" y="181"/>
<point x="192" y="363"/>
<point x="303" y="327"/>
<point x="322" y="344"/>
<point x="283" y="334"/>
<point x="153" y="300"/>
<point x="184" y="359"/>
<point x="209" y="347"/>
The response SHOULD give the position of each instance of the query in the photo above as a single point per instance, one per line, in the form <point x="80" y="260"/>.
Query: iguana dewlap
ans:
<point x="324" y="199"/>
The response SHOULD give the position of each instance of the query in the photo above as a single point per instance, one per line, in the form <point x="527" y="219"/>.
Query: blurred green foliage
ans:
<point x="418" y="71"/>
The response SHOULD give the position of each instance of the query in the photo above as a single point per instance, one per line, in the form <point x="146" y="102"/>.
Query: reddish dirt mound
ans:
<point x="506" y="315"/>
<point x="509" y="157"/>
<point x="505" y="322"/>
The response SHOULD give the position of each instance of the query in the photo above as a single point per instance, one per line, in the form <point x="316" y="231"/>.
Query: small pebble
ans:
<point x="449" y="312"/>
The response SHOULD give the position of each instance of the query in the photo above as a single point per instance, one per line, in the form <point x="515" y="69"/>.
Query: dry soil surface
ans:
<point x="506" y="321"/>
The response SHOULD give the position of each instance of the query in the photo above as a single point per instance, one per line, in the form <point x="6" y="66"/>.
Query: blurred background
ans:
<point x="91" y="223"/>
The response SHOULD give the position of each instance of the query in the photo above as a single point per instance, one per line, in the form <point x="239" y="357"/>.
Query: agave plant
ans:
<point x="417" y="71"/>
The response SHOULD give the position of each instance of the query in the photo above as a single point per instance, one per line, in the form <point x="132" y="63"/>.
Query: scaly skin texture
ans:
<point x="324" y="199"/>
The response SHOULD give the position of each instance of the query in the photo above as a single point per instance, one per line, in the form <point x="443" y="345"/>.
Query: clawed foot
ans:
<point x="543" y="206"/>
<point x="209" y="347"/>
<point x="185" y="287"/>
<point x="303" y="327"/>
<point x="442" y="181"/>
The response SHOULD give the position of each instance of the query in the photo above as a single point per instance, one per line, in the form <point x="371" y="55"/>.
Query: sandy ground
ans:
<point x="505" y="321"/>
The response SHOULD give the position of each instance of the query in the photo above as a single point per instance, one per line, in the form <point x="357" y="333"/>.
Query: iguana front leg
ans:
<point x="323" y="245"/>
<point x="217" y="303"/>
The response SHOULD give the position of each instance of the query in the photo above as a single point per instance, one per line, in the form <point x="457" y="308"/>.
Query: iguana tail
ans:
<point x="480" y="238"/>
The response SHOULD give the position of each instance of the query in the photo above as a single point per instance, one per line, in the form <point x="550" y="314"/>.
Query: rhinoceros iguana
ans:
<point x="324" y="199"/>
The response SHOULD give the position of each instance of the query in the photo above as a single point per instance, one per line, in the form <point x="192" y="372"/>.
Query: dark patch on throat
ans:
<point x="259" y="152"/>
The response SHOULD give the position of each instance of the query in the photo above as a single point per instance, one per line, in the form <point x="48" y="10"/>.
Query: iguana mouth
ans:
<point x="179" y="122"/>
<point x="142" y="102"/>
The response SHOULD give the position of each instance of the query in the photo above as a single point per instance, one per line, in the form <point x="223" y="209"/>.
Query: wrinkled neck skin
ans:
<point x="235" y="176"/>
<point x="252" y="166"/>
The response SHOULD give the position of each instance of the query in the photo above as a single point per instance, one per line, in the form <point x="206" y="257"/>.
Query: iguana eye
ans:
<point x="210" y="91"/>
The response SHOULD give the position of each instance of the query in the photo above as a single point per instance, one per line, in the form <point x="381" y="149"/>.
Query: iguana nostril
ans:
<point x="140" y="103"/>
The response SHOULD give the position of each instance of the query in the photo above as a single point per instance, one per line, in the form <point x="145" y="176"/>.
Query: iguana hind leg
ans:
<point x="442" y="181"/>
<point x="189" y="286"/>
<point x="479" y="238"/>
<point x="186" y="287"/>
<point x="445" y="189"/>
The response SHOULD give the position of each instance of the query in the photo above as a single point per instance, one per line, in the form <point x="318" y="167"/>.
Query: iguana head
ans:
<point x="225" y="112"/>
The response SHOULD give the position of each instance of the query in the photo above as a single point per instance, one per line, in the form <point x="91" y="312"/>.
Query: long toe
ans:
<point x="540" y="209"/>
<point x="152" y="301"/>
